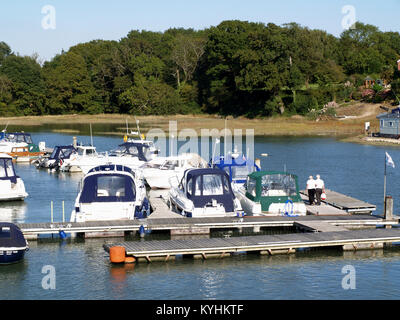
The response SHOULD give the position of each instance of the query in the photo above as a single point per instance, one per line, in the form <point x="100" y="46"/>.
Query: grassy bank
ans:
<point x="351" y="123"/>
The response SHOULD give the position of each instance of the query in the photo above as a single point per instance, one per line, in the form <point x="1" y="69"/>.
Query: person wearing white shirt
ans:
<point x="319" y="189"/>
<point x="311" y="190"/>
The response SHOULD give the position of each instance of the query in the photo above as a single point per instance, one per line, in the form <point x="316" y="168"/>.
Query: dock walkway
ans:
<point x="265" y="244"/>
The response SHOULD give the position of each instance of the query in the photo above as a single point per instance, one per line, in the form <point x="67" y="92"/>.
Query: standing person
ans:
<point x="311" y="190"/>
<point x="319" y="188"/>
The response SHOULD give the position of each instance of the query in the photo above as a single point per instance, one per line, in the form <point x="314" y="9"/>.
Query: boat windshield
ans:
<point x="6" y="168"/>
<point x="170" y="165"/>
<point x="87" y="152"/>
<point x="241" y="172"/>
<point x="19" y="138"/>
<point x="111" y="186"/>
<point x="212" y="185"/>
<point x="276" y="185"/>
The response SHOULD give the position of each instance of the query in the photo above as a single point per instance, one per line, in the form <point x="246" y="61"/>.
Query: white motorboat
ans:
<point x="205" y="193"/>
<point x="11" y="186"/>
<point x="83" y="153"/>
<point x="111" y="192"/>
<point x="59" y="155"/>
<point x="130" y="154"/>
<point x="160" y="170"/>
<point x="271" y="193"/>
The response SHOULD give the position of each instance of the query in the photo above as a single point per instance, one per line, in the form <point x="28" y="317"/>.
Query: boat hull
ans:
<point x="8" y="255"/>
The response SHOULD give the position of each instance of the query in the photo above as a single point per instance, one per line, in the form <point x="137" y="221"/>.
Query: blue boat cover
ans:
<point x="229" y="164"/>
<point x="62" y="152"/>
<point x="104" y="187"/>
<point x="11" y="236"/>
<point x="135" y="149"/>
<point x="112" y="167"/>
<point x="195" y="181"/>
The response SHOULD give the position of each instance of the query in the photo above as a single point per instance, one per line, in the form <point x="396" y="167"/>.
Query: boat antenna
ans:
<point x="5" y="129"/>
<point x="213" y="155"/>
<point x="91" y="135"/>
<point x="225" y="137"/>
<point x="138" y="129"/>
<point x="127" y="128"/>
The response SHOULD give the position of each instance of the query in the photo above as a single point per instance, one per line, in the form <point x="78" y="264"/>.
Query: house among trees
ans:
<point x="369" y="82"/>
<point x="389" y="124"/>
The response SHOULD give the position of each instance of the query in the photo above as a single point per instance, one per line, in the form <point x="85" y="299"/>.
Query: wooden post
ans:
<point x="388" y="210"/>
<point x="51" y="211"/>
<point x="63" y="212"/>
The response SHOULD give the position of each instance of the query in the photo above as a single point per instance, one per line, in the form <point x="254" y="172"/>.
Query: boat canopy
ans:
<point x="62" y="152"/>
<point x="109" y="186"/>
<point x="7" y="171"/>
<point x="237" y="168"/>
<point x="17" y="137"/>
<point x="205" y="185"/>
<point x="135" y="149"/>
<point x="112" y="167"/>
<point x="272" y="186"/>
<point x="11" y="236"/>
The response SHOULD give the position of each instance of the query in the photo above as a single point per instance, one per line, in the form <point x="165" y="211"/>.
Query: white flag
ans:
<point x="389" y="160"/>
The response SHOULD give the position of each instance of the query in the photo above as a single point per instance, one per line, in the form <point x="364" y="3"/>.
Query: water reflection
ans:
<point x="14" y="212"/>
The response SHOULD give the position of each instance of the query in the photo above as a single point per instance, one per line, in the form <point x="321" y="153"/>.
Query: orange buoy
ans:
<point x="117" y="254"/>
<point x="130" y="259"/>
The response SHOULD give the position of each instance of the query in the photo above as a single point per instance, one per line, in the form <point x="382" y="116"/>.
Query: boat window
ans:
<point x="133" y="150"/>
<point x="28" y="139"/>
<point x="66" y="153"/>
<point x="110" y="186"/>
<point x="80" y="152"/>
<point x="9" y="168"/>
<point x="53" y="154"/>
<point x="2" y="169"/>
<point x="170" y="165"/>
<point x="278" y="185"/>
<point x="241" y="172"/>
<point x="212" y="185"/>
<point x="90" y="152"/>
<point x="251" y="186"/>
<point x="5" y="233"/>
<point x="189" y="187"/>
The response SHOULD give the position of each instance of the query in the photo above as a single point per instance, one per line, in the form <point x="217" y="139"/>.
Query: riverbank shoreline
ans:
<point x="295" y="126"/>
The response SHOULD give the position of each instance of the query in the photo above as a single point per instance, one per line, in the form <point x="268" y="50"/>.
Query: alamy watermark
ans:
<point x="349" y="20"/>
<point x="49" y="20"/>
<point x="349" y="280"/>
<point x="49" y="280"/>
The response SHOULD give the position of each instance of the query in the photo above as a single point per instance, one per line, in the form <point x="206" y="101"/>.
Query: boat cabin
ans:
<point x="111" y="183"/>
<point x="62" y="152"/>
<point x="86" y="151"/>
<point x="237" y="168"/>
<point x="7" y="171"/>
<point x="206" y="186"/>
<point x="134" y="149"/>
<point x="268" y="187"/>
<point x="18" y="137"/>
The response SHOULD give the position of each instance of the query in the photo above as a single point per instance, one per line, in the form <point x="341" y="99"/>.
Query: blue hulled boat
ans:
<point x="12" y="243"/>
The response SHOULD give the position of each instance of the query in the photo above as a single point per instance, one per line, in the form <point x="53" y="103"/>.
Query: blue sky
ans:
<point x="85" y="20"/>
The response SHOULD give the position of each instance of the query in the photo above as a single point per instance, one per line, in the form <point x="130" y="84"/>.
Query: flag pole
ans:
<point x="384" y="189"/>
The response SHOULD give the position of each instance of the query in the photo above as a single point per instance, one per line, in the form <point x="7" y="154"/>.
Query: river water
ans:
<point x="84" y="272"/>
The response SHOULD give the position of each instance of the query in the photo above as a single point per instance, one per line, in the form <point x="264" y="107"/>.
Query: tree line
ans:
<point x="235" y="68"/>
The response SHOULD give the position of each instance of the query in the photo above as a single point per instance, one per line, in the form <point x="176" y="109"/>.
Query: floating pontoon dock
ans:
<point x="266" y="244"/>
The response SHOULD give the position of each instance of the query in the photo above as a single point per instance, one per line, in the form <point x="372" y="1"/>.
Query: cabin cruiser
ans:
<point x="82" y="154"/>
<point x="238" y="168"/>
<point x="111" y="192"/>
<point x="205" y="193"/>
<point x="271" y="193"/>
<point x="20" y="146"/>
<point x="13" y="245"/>
<point x="57" y="157"/>
<point x="160" y="170"/>
<point x="11" y="186"/>
<point x="130" y="154"/>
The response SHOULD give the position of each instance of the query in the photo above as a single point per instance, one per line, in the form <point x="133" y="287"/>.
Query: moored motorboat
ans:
<point x="204" y="193"/>
<point x="160" y="170"/>
<point x="13" y="245"/>
<point x="271" y="193"/>
<point x="82" y="154"/>
<point x="57" y="157"/>
<point x="111" y="192"/>
<point x="11" y="186"/>
<point x="20" y="146"/>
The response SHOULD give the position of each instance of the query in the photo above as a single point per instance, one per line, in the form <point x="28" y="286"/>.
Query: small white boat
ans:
<point x="159" y="171"/>
<point x="111" y="192"/>
<point x="83" y="153"/>
<point x="11" y="186"/>
<point x="205" y="193"/>
<point x="271" y="193"/>
<point x="59" y="155"/>
<point x="130" y="154"/>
